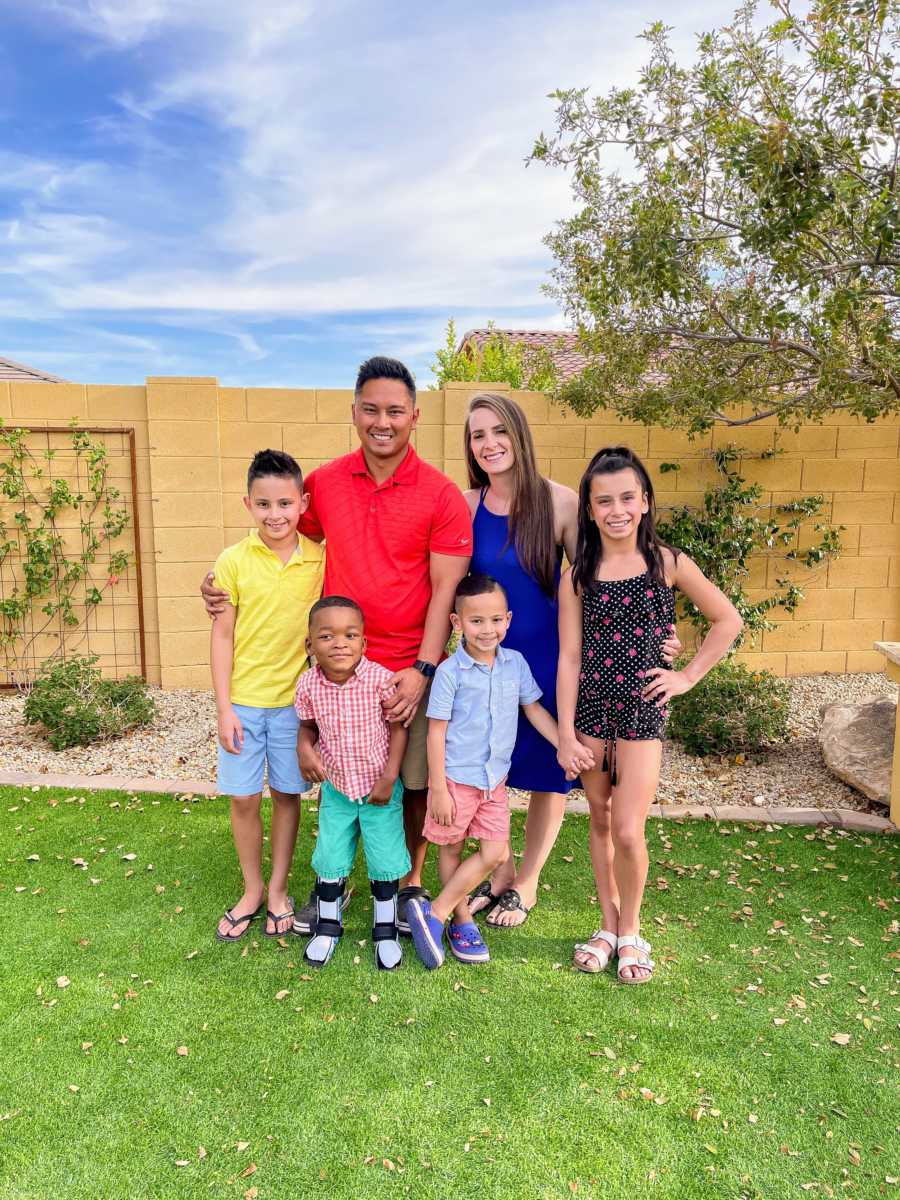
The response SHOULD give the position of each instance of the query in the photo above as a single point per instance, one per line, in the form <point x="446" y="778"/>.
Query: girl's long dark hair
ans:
<point x="589" y="547"/>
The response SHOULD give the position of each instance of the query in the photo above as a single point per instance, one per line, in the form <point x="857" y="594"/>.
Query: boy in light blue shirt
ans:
<point x="473" y="715"/>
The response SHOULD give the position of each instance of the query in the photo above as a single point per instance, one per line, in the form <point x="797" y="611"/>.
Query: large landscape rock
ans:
<point x="857" y="743"/>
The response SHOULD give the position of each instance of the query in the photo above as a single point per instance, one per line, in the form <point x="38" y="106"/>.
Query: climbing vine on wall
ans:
<point x="59" y="517"/>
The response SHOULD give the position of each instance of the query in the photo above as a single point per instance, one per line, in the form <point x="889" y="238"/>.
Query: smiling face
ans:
<point x="384" y="416"/>
<point x="276" y="504"/>
<point x="337" y="639"/>
<point x="489" y="441"/>
<point x="617" y="503"/>
<point x="483" y="621"/>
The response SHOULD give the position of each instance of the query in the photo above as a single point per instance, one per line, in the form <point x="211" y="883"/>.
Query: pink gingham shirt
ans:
<point x="354" y="735"/>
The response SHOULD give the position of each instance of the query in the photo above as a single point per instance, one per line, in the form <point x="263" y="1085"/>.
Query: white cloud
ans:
<point x="355" y="158"/>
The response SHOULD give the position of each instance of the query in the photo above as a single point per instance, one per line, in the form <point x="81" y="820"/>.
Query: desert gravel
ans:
<point x="181" y="745"/>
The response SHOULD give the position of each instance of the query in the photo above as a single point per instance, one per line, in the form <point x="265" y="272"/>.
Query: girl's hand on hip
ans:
<point x="665" y="684"/>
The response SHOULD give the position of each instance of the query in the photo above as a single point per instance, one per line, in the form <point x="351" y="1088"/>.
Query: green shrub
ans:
<point x="499" y="360"/>
<point x="731" y="710"/>
<point x="77" y="706"/>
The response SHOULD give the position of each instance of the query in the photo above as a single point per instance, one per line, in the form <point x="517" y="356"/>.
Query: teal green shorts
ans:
<point x="342" y="820"/>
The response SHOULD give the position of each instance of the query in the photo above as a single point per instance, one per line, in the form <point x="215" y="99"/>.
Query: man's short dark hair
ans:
<point x="380" y="367"/>
<point x="335" y="602"/>
<point x="477" y="585"/>
<point x="274" y="462"/>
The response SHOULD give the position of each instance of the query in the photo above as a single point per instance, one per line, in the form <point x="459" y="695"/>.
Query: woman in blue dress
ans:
<point x="522" y="523"/>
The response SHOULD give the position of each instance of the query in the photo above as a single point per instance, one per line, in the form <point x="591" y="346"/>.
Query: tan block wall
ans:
<point x="194" y="440"/>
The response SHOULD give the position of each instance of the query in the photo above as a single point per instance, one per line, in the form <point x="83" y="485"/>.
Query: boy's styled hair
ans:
<point x="274" y="462"/>
<point x="477" y="585"/>
<point x="335" y="602"/>
<point x="380" y="367"/>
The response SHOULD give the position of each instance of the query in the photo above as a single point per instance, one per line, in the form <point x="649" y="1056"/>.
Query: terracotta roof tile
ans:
<point x="562" y="345"/>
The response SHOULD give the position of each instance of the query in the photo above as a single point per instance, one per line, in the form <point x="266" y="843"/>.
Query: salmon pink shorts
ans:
<point x="480" y="813"/>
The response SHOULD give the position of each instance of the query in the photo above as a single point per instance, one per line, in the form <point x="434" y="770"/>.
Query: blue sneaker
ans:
<point x="427" y="932"/>
<point x="467" y="944"/>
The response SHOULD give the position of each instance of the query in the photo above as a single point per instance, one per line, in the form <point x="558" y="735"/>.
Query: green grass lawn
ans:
<point x="519" y="1079"/>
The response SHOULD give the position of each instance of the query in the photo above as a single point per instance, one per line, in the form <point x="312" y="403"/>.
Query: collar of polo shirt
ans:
<point x="404" y="475"/>
<point x="466" y="660"/>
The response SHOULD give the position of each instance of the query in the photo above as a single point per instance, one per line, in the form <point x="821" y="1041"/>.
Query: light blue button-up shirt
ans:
<point x="482" y="707"/>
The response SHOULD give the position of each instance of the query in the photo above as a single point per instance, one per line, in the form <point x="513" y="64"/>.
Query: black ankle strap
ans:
<point x="328" y="927"/>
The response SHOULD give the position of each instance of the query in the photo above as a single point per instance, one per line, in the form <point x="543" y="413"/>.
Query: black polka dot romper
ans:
<point x="624" y="623"/>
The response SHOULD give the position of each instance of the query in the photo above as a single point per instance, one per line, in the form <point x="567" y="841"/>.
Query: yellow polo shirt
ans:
<point x="273" y="600"/>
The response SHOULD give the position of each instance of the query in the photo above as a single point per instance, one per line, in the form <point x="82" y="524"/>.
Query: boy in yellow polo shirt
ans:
<point x="272" y="578"/>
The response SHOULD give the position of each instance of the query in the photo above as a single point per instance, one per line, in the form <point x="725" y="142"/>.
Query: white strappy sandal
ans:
<point x="640" y="959"/>
<point x="602" y="956"/>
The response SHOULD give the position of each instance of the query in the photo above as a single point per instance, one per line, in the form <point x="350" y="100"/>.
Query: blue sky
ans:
<point x="269" y="192"/>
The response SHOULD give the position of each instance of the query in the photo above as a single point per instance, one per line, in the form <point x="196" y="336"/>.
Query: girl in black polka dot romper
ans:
<point x="616" y="607"/>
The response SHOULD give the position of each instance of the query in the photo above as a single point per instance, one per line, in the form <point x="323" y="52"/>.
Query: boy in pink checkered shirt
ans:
<point x="346" y="744"/>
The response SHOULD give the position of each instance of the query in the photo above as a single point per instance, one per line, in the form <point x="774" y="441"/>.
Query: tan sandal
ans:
<point x="640" y="959"/>
<point x="602" y="956"/>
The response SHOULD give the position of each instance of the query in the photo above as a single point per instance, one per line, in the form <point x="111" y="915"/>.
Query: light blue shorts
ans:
<point x="270" y="741"/>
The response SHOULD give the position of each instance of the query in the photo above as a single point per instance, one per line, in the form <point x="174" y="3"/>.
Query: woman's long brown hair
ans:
<point x="531" y="512"/>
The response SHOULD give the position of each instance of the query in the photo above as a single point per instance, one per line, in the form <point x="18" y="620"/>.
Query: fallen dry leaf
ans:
<point x="250" y="1169"/>
<point x="182" y="1162"/>
<point x="63" y="981"/>
<point x="241" y="1146"/>
<point x="183" y="1051"/>
<point x="281" y="995"/>
<point x="841" y="1039"/>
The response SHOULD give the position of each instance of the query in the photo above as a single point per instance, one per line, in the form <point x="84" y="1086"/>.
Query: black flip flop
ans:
<point x="275" y="917"/>
<point x="481" y="892"/>
<point x="510" y="901"/>
<point x="233" y="921"/>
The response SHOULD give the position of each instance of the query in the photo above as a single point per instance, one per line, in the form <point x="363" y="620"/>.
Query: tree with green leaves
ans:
<point x="498" y="360"/>
<point x="746" y="262"/>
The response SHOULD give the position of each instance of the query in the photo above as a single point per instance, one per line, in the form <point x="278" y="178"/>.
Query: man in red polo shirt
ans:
<point x="399" y="539"/>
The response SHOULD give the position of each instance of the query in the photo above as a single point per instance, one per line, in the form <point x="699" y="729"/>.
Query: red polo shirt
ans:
<point x="380" y="538"/>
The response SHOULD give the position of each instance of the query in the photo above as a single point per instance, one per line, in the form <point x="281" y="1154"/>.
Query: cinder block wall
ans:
<point x="194" y="440"/>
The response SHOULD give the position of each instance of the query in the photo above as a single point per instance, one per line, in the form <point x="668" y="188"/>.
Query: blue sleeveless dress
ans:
<point x="534" y="632"/>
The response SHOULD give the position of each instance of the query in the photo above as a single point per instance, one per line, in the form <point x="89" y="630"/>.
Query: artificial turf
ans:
<point x="761" y="1061"/>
